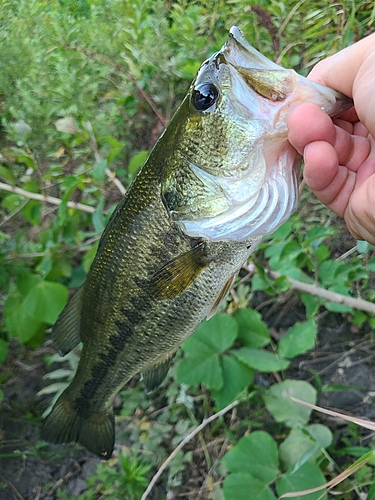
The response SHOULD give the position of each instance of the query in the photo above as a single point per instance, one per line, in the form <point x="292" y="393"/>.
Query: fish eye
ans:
<point x="204" y="96"/>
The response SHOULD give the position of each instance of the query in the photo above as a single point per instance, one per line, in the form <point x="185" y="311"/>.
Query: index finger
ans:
<point x="352" y="72"/>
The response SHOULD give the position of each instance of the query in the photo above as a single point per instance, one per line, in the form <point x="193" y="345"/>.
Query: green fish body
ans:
<point x="221" y="176"/>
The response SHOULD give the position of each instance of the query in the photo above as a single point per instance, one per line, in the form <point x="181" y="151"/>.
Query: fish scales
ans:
<point x="221" y="176"/>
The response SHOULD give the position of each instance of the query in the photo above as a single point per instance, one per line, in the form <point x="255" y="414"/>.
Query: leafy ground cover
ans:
<point x="83" y="97"/>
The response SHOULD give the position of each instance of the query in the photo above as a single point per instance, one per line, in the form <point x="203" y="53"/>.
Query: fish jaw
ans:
<point x="258" y="177"/>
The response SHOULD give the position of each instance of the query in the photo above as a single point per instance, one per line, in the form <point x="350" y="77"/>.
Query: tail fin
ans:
<point x="64" y="425"/>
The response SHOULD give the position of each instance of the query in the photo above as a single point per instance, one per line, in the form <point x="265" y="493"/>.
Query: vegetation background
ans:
<point x="86" y="87"/>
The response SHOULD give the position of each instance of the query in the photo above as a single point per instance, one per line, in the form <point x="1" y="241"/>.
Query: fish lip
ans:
<point x="238" y="52"/>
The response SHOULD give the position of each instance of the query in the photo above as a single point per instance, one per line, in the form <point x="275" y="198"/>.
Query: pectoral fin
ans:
<point x="178" y="274"/>
<point x="66" y="332"/>
<point x="228" y="285"/>
<point x="154" y="377"/>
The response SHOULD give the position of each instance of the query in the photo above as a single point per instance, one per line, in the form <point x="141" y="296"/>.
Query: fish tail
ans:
<point x="64" y="425"/>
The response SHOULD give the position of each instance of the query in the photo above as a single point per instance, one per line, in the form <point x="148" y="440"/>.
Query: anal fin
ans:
<point x="66" y="332"/>
<point x="178" y="274"/>
<point x="154" y="377"/>
<point x="228" y="285"/>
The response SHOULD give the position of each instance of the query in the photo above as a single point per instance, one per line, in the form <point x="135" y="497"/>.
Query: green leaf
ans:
<point x="311" y="303"/>
<point x="116" y="147"/>
<point x="217" y="334"/>
<point x="363" y="247"/>
<point x="18" y="322"/>
<point x="283" y="409"/>
<point x="137" y="161"/>
<point x="202" y="364"/>
<point x="205" y="370"/>
<point x="89" y="257"/>
<point x="304" y="444"/>
<point x="8" y="174"/>
<point x="252" y="331"/>
<point x="46" y="301"/>
<point x="32" y="212"/>
<point x="238" y="487"/>
<point x="3" y="350"/>
<point x="98" y="172"/>
<point x="298" y="339"/>
<point x="236" y="378"/>
<point x="254" y="454"/>
<point x="260" y="360"/>
<point x="98" y="219"/>
<point x="306" y="477"/>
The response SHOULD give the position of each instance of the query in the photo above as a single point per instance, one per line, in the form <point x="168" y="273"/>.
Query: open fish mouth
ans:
<point x="261" y="191"/>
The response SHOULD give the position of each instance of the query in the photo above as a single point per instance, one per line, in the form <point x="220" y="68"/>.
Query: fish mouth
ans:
<point x="239" y="53"/>
<point x="261" y="190"/>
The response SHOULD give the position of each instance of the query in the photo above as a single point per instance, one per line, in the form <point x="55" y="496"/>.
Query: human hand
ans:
<point x="340" y="154"/>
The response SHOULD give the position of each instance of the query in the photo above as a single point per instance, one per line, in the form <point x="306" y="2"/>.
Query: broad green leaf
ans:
<point x="329" y="271"/>
<point x="298" y="339"/>
<point x="321" y="434"/>
<point x="261" y="360"/>
<point x="12" y="201"/>
<point x="202" y="363"/>
<point x="46" y="301"/>
<point x="254" y="454"/>
<point x="306" y="477"/>
<point x="236" y="378"/>
<point x="32" y="212"/>
<point x="217" y="334"/>
<point x="283" y="409"/>
<point x="317" y="235"/>
<point x="291" y="250"/>
<point x="242" y="486"/>
<point x="18" y="322"/>
<point x="311" y="303"/>
<point x="26" y="282"/>
<point x="252" y="331"/>
<point x="304" y="444"/>
<point x="8" y="174"/>
<point x="363" y="247"/>
<point x="204" y="370"/>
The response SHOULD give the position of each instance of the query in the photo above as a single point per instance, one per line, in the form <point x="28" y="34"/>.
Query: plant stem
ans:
<point x="313" y="289"/>
<point x="47" y="199"/>
<point x="182" y="444"/>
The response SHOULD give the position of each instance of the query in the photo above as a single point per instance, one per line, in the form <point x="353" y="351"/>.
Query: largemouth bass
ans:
<point x="221" y="176"/>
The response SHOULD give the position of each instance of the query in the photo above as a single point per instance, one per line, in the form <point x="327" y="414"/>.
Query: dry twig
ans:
<point x="313" y="289"/>
<point x="46" y="199"/>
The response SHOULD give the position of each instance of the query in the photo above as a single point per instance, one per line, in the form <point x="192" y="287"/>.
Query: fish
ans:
<point x="221" y="176"/>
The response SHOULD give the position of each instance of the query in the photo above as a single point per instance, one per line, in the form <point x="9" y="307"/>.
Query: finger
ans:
<point x="352" y="150"/>
<point x="351" y="71"/>
<point x="332" y="183"/>
<point x="359" y="215"/>
<point x="308" y="123"/>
